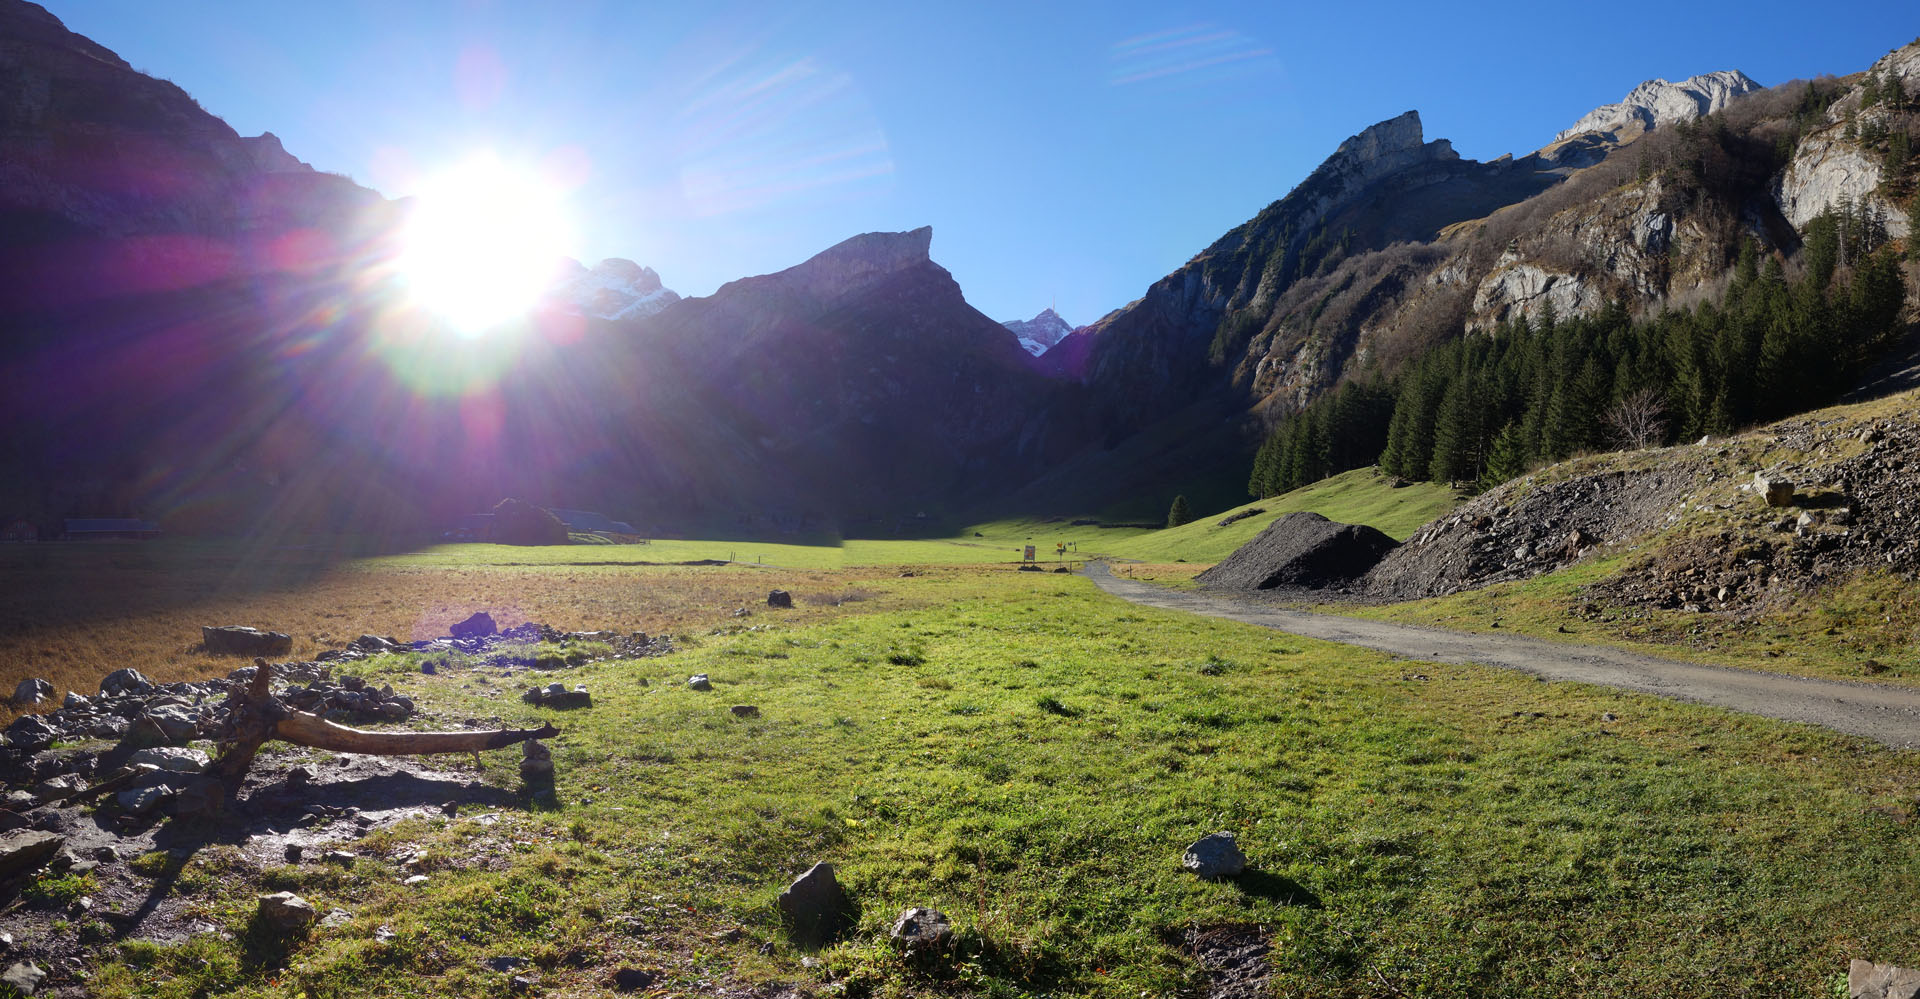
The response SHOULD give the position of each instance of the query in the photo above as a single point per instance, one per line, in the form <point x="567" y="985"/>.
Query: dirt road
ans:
<point x="1887" y="714"/>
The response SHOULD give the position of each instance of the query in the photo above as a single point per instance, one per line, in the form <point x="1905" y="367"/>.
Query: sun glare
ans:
<point x="481" y="244"/>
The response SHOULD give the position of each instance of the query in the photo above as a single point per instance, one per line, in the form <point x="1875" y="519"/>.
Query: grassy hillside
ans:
<point x="1362" y="496"/>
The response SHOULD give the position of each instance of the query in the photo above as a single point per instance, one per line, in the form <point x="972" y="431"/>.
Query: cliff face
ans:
<point x="1395" y="244"/>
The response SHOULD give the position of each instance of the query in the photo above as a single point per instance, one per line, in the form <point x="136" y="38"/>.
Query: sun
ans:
<point x="481" y="243"/>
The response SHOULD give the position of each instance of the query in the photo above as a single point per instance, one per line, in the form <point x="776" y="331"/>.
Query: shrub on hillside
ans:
<point x="517" y="523"/>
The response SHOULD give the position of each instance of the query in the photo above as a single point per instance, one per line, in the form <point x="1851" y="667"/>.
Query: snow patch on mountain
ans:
<point x="1040" y="332"/>
<point x="612" y="289"/>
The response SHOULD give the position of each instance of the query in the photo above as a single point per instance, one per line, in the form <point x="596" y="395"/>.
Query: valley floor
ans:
<point x="1030" y="755"/>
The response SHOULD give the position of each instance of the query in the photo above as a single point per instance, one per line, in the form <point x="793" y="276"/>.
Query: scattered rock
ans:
<point x="504" y="962"/>
<point x="556" y="695"/>
<point x="480" y="625"/>
<point x="335" y="918"/>
<point x="633" y="979"/>
<point x="814" y="906"/>
<point x="202" y="800"/>
<point x="780" y="598"/>
<point x="536" y="762"/>
<point x="240" y="640"/>
<point x="143" y="800"/>
<point x="31" y="733"/>
<point x="699" y="681"/>
<point x="344" y="858"/>
<point x="745" y="711"/>
<point x="293" y="853"/>
<point x="74" y="702"/>
<point x="1776" y="491"/>
<point x="174" y="758"/>
<point x="24" y="977"/>
<point x="417" y="879"/>
<point x="1214" y="855"/>
<point x="26" y="852"/>
<point x="286" y="912"/>
<point x="122" y="682"/>
<point x="1867" y="980"/>
<point x="33" y="691"/>
<point x="373" y="644"/>
<point x="922" y="932"/>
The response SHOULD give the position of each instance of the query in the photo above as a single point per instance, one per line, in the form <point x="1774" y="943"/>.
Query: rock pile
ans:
<point x="1529" y="527"/>
<point x="1301" y="549"/>
<point x="1851" y="507"/>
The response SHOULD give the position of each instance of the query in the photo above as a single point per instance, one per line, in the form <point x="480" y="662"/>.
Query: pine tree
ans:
<point x="1507" y="457"/>
<point x="1179" y="513"/>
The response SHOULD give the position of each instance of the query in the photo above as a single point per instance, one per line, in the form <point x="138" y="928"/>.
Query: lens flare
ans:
<point x="481" y="244"/>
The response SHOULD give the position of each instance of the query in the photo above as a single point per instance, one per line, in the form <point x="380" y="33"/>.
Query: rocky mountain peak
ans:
<point x="614" y="288"/>
<point x="269" y="156"/>
<point x="1658" y="102"/>
<point x="1040" y="332"/>
<point x="857" y="262"/>
<point x="1383" y="148"/>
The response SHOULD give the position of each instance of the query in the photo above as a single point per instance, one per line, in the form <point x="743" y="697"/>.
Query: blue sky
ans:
<point x="1062" y="152"/>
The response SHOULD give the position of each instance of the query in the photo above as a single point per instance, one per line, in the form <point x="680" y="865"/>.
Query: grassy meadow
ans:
<point x="1031" y="756"/>
<point x="1019" y="750"/>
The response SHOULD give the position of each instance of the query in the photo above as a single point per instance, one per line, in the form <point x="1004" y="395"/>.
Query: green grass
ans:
<point x="1030" y="756"/>
<point x="1362" y="496"/>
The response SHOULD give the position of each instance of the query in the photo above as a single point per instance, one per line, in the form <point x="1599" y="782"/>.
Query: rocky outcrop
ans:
<point x="1827" y="170"/>
<point x="1521" y="289"/>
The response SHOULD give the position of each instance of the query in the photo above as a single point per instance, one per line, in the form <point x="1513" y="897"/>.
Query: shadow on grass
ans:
<point x="1286" y="891"/>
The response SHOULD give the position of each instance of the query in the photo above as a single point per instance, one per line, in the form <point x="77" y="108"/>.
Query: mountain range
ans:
<point x="192" y="326"/>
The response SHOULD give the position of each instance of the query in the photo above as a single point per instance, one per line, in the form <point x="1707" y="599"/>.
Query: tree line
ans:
<point x="1485" y="408"/>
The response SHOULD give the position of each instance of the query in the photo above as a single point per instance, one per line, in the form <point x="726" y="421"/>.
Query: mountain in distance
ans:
<point x="1039" y="334"/>
<point x="1646" y="107"/>
<point x="614" y="288"/>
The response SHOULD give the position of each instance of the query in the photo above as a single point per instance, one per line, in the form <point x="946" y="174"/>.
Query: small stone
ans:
<point x="1214" y="855"/>
<point x="125" y="681"/>
<point x="522" y="983"/>
<point x="27" y="852"/>
<point x="293" y="853"/>
<point x="503" y="962"/>
<point x="1776" y="491"/>
<point x="286" y="912"/>
<point x="1867" y="980"/>
<point x="24" y="977"/>
<point x="142" y="800"/>
<point x="745" y="711"/>
<point x="31" y="692"/>
<point x="699" y="681"/>
<point x="480" y="625"/>
<point x="536" y="763"/>
<point x="417" y="879"/>
<point x="178" y="759"/>
<point x="335" y="918"/>
<point x="922" y="931"/>
<point x="633" y="979"/>
<point x="780" y="598"/>
<point x="299" y="778"/>
<point x="384" y="934"/>
<point x="814" y="905"/>
<point x="1609" y="716"/>
<point x="344" y="858"/>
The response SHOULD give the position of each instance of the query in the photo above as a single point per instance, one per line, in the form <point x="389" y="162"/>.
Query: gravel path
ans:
<point x="1890" y="715"/>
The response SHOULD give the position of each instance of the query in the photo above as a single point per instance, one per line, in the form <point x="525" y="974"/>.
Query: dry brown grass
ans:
<point x="72" y="614"/>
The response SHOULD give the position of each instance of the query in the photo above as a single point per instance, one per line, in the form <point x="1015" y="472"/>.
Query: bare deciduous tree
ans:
<point x="1639" y="420"/>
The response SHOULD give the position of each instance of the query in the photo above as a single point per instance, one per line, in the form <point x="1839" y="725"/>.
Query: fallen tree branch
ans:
<point x="257" y="716"/>
<point x="303" y="729"/>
